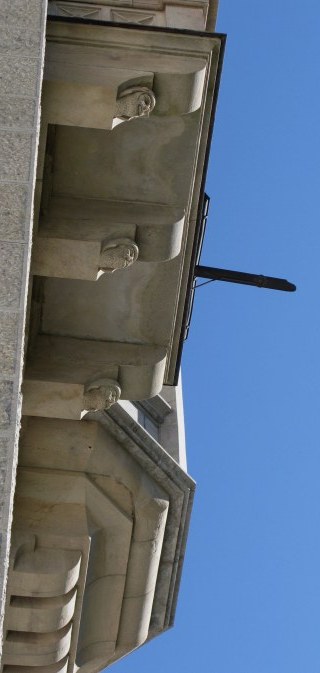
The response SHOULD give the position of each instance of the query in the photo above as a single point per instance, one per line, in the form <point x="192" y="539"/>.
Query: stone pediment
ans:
<point x="100" y="520"/>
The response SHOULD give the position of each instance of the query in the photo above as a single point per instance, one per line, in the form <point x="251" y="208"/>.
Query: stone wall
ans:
<point x="22" y="30"/>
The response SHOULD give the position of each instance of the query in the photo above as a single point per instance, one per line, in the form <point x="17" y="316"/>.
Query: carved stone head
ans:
<point x="101" y="394"/>
<point x="117" y="254"/>
<point x="136" y="101"/>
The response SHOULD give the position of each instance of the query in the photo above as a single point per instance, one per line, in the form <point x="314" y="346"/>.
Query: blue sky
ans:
<point x="250" y="595"/>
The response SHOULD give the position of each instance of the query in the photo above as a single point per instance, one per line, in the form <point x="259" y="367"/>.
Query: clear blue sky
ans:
<point x="250" y="595"/>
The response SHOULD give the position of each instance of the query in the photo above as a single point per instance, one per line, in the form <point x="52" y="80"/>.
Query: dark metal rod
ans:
<point x="212" y="273"/>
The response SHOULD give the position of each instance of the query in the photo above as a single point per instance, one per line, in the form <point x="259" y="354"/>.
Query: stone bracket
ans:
<point x="80" y="89"/>
<point x="61" y="371"/>
<point x="82" y="238"/>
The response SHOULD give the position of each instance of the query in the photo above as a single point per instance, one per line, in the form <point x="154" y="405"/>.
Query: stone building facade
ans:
<point x="106" y="114"/>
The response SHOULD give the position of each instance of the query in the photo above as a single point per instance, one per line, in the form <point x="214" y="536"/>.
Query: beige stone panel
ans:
<point x="52" y="400"/>
<point x="142" y="155"/>
<point x="61" y="258"/>
<point x="131" y="296"/>
<point x="70" y="104"/>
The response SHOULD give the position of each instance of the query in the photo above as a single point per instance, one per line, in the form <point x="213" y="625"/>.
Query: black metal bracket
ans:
<point x="212" y="273"/>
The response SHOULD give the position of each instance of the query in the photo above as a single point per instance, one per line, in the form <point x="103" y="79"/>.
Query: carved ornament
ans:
<point x="118" y="253"/>
<point x="100" y="395"/>
<point x="136" y="101"/>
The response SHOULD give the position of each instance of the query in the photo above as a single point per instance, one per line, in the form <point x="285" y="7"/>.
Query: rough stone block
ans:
<point x="18" y="76"/>
<point x="16" y="153"/>
<point x="4" y="449"/>
<point x="6" y="390"/>
<point x="20" y="26"/>
<point x="13" y="202"/>
<point x="11" y="261"/>
<point x="18" y="112"/>
<point x="8" y="344"/>
<point x="2" y="483"/>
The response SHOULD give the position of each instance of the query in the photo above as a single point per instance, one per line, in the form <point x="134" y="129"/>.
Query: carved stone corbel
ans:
<point x="117" y="254"/>
<point x="136" y="101"/>
<point x="100" y="395"/>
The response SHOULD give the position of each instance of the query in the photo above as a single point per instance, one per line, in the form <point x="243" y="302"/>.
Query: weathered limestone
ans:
<point x="103" y="500"/>
<point x="22" y="28"/>
<point x="61" y="371"/>
<point x="99" y="532"/>
<point x="83" y="87"/>
<point x="83" y="238"/>
<point x="140" y="182"/>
